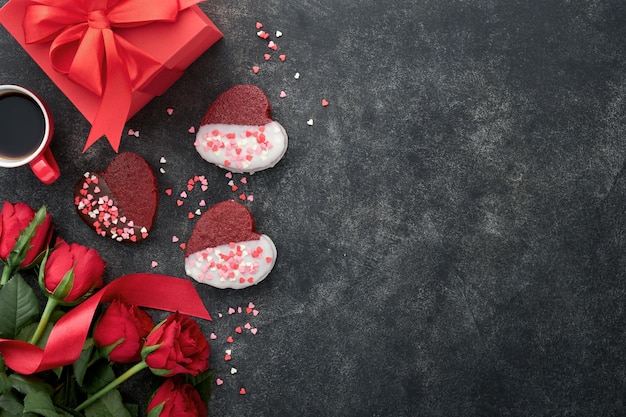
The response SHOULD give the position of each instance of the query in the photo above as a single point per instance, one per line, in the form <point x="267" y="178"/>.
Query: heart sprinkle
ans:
<point x="192" y="129"/>
<point x="309" y="122"/>
<point x="170" y="111"/>
<point x="324" y="102"/>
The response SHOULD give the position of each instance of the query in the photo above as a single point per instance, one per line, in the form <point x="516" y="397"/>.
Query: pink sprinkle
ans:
<point x="250" y="198"/>
<point x="282" y="57"/>
<point x="247" y="326"/>
<point x="267" y="57"/>
<point x="202" y="203"/>
<point x="192" y="129"/>
<point x="155" y="264"/>
<point x="251" y="305"/>
<point x="324" y="102"/>
<point x="213" y="336"/>
<point x="244" y="180"/>
<point x="272" y="45"/>
<point x="174" y="239"/>
<point x="242" y="391"/>
<point x="170" y="111"/>
<point x="242" y="196"/>
<point x="239" y="310"/>
<point x="283" y="94"/>
<point x="255" y="69"/>
<point x="229" y="175"/>
<point x="231" y="310"/>
<point x="204" y="187"/>
<point x="131" y="132"/>
<point x="255" y="312"/>
<point x="183" y="194"/>
<point x="219" y="381"/>
<point x="259" y="25"/>
<point x="254" y="330"/>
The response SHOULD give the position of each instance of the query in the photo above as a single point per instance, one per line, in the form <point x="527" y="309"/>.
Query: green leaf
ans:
<point x="99" y="375"/>
<point x="39" y="402"/>
<point x="18" y="306"/>
<point x="22" y="246"/>
<point x="26" y="384"/>
<point x="204" y="383"/>
<point x="82" y="363"/>
<point x="109" y="405"/>
<point x="5" y="383"/>
<point x="10" y="403"/>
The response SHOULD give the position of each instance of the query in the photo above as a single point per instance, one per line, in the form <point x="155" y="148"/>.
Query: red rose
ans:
<point x="177" y="399"/>
<point x="176" y="346"/>
<point x="72" y="271"/>
<point x="14" y="218"/>
<point x="121" y="330"/>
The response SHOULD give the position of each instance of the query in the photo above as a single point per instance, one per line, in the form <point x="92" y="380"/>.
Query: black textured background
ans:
<point x="450" y="230"/>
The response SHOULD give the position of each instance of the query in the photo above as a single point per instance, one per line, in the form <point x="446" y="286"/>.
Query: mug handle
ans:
<point x="45" y="167"/>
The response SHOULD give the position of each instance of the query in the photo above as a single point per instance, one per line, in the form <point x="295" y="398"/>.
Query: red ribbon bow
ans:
<point x="86" y="47"/>
<point x="68" y="335"/>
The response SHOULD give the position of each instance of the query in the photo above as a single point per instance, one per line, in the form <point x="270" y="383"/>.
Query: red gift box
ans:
<point x="109" y="57"/>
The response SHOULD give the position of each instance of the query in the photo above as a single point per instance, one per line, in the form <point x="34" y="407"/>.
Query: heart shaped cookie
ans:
<point x="237" y="132"/>
<point x="225" y="251"/>
<point x="121" y="202"/>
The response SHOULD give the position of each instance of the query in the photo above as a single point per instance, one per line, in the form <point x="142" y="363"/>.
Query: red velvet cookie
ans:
<point x="225" y="251"/>
<point x="237" y="132"/>
<point x="121" y="202"/>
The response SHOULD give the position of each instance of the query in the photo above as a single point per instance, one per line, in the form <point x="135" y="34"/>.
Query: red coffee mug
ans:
<point x="25" y="133"/>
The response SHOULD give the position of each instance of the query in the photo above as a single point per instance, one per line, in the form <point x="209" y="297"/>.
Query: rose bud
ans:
<point x="121" y="330"/>
<point x="175" y="398"/>
<point x="14" y="218"/>
<point x="176" y="346"/>
<point x="72" y="272"/>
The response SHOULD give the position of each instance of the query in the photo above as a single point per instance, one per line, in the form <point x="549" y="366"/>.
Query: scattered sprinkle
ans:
<point x="162" y="170"/>
<point x="192" y="129"/>
<point x="183" y="245"/>
<point x="282" y="57"/>
<point x="233" y="371"/>
<point x="170" y="111"/>
<point x="296" y="76"/>
<point x="283" y="94"/>
<point x="253" y="330"/>
<point x="279" y="33"/>
<point x="230" y="339"/>
<point x="168" y="191"/>
<point x="309" y="122"/>
<point x="174" y="239"/>
<point x="213" y="336"/>
<point x="324" y="102"/>
<point x="263" y="34"/>
<point x="272" y="45"/>
<point x="242" y="391"/>
<point x="255" y="69"/>
<point x="267" y="57"/>
<point x="154" y="264"/>
<point x="259" y="25"/>
<point x="219" y="381"/>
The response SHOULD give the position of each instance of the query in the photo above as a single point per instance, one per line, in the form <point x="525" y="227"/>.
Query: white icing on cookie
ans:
<point x="240" y="148"/>
<point x="237" y="265"/>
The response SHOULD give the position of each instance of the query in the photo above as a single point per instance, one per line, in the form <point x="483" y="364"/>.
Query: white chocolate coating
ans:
<point x="237" y="265"/>
<point x="240" y="148"/>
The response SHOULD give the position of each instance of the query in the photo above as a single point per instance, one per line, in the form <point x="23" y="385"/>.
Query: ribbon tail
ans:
<point x="116" y="97"/>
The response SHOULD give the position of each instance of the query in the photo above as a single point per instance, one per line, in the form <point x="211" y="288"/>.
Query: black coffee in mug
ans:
<point x="22" y="126"/>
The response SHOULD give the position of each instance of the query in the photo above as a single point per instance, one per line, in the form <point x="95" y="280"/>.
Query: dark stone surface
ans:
<point x="450" y="230"/>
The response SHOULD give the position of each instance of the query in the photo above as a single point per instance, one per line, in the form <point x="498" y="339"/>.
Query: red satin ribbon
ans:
<point x="85" y="46"/>
<point x="70" y="332"/>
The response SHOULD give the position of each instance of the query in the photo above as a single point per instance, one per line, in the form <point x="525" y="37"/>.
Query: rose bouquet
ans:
<point x="70" y="358"/>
